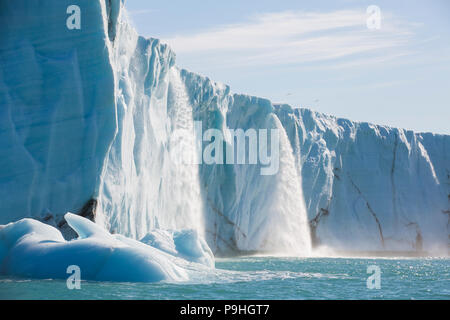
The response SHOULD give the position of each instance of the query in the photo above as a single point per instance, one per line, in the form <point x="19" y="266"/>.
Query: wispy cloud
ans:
<point x="294" y="37"/>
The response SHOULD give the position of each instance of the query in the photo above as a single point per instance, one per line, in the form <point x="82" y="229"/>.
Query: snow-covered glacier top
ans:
<point x="88" y="119"/>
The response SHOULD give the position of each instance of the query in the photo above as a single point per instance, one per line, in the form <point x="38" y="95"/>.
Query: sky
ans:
<point x="330" y="56"/>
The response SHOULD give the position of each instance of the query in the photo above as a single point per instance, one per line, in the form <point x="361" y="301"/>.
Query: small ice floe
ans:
<point x="29" y="248"/>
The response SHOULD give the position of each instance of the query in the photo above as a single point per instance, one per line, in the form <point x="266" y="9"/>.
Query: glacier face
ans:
<point x="371" y="187"/>
<point x="94" y="114"/>
<point x="57" y="107"/>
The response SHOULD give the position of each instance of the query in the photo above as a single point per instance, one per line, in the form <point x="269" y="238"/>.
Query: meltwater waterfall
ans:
<point x="143" y="185"/>
<point x="147" y="183"/>
<point x="184" y="200"/>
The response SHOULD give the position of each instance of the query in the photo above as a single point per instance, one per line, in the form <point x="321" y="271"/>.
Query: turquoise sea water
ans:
<point x="266" y="278"/>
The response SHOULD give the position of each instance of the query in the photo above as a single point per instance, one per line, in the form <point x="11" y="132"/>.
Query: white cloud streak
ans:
<point x="293" y="38"/>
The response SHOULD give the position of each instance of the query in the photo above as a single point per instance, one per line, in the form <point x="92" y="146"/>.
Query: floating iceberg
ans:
<point x="29" y="248"/>
<point x="185" y="244"/>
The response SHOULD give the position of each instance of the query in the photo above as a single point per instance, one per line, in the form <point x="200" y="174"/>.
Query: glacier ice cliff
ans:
<point x="57" y="107"/>
<point x="371" y="187"/>
<point x="88" y="119"/>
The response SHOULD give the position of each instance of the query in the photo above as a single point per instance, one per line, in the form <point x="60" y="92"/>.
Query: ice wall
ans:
<point x="57" y="107"/>
<point x="89" y="119"/>
<point x="366" y="187"/>
<point x="371" y="187"/>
